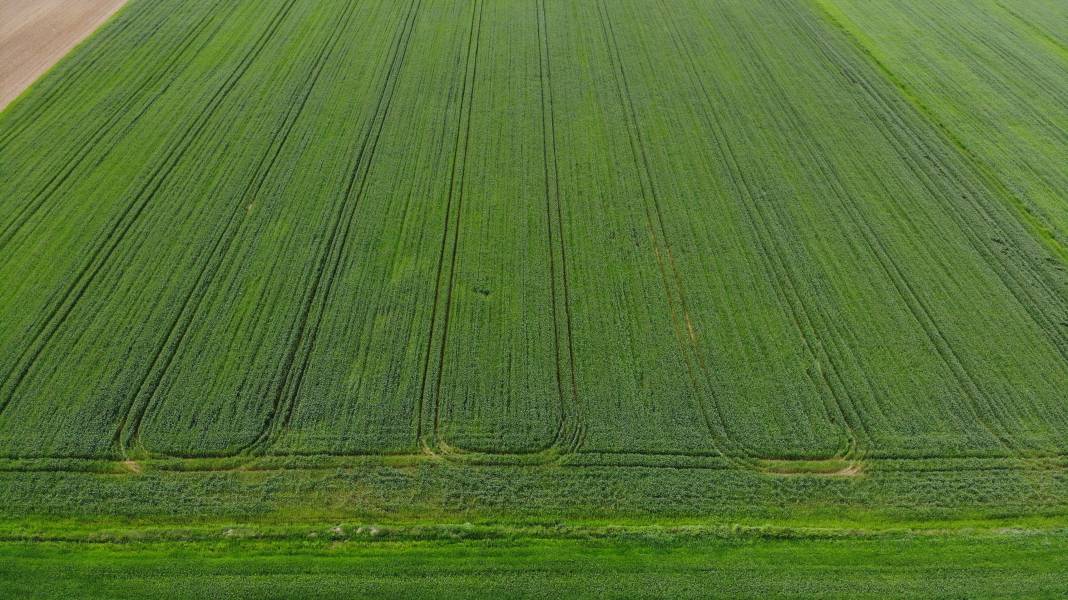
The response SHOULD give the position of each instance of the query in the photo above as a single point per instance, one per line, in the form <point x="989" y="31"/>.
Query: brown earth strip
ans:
<point x="34" y="34"/>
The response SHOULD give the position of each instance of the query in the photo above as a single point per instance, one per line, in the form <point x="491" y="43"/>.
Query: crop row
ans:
<point x="716" y="231"/>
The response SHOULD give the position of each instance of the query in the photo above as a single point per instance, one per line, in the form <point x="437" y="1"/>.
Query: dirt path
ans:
<point x="34" y="34"/>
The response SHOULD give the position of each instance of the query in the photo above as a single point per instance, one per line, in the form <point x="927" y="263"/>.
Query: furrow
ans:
<point x="552" y="200"/>
<point x="72" y="164"/>
<point x="1004" y="272"/>
<point x="657" y="232"/>
<point x="463" y="134"/>
<point x="124" y="223"/>
<point x="291" y="376"/>
<point x="129" y="428"/>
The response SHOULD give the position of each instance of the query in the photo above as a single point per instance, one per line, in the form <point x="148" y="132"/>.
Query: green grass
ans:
<point x="783" y="263"/>
<point x="327" y="564"/>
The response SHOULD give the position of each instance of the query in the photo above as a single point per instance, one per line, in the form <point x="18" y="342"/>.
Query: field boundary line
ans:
<point x="892" y="124"/>
<point x="1013" y="62"/>
<point x="39" y="199"/>
<point x="916" y="305"/>
<point x="113" y="27"/>
<point x="990" y="185"/>
<point x="1060" y="46"/>
<point x="128" y="217"/>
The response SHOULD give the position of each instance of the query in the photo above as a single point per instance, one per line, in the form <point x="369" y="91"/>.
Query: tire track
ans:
<point x="842" y="406"/>
<point x="913" y="464"/>
<point x="70" y="166"/>
<point x="849" y="410"/>
<point x="655" y="224"/>
<point x="1035" y="29"/>
<point x="186" y="314"/>
<point x="438" y="437"/>
<point x="841" y="409"/>
<point x="292" y="376"/>
<point x="1029" y="298"/>
<point x="126" y="220"/>
<point x="72" y="74"/>
<point x="463" y="134"/>
<point x="1001" y="264"/>
<point x="978" y="45"/>
<point x="569" y="432"/>
<point x="568" y="416"/>
<point x="917" y="307"/>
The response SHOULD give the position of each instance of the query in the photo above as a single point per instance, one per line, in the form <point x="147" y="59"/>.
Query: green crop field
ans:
<point x="726" y="294"/>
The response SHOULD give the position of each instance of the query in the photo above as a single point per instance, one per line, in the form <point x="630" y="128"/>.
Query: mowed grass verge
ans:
<point x="654" y="565"/>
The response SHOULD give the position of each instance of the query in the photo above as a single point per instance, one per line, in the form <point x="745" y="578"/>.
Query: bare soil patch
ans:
<point x="34" y="34"/>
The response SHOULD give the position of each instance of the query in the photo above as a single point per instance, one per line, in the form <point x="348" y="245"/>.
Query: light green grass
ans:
<point x="1017" y="564"/>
